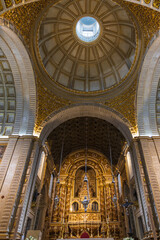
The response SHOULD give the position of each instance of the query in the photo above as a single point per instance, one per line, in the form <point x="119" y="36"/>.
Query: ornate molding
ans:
<point x="6" y="5"/>
<point x="24" y="17"/>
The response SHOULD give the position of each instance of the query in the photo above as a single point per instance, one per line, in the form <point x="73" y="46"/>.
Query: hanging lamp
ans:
<point x="114" y="199"/>
<point x="56" y="199"/>
<point x="86" y="200"/>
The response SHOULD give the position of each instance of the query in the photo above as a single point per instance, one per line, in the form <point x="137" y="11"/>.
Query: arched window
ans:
<point x="95" y="206"/>
<point x="75" y="207"/>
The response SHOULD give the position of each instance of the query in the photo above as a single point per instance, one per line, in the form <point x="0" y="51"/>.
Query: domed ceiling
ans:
<point x="87" y="66"/>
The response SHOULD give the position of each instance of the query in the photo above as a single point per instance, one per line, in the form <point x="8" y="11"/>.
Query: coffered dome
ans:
<point x="87" y="65"/>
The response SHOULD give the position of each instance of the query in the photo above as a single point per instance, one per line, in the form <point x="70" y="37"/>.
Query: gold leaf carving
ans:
<point x="147" y="18"/>
<point x="1" y="6"/>
<point x="147" y="1"/>
<point x="18" y="1"/>
<point x="156" y="3"/>
<point x="24" y="17"/>
<point x="47" y="104"/>
<point x="125" y="104"/>
<point x="8" y="3"/>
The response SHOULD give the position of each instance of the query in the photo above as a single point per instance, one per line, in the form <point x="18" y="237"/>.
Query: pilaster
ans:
<point x="29" y="186"/>
<point x="142" y="190"/>
<point x="148" y="159"/>
<point x="151" y="166"/>
<point x="13" y="174"/>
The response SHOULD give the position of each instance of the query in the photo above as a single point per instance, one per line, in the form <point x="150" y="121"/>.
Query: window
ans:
<point x="87" y="29"/>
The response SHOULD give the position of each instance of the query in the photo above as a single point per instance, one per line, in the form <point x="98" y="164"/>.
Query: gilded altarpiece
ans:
<point x="102" y="218"/>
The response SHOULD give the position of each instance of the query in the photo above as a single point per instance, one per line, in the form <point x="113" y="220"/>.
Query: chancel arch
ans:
<point x="83" y="135"/>
<point x="86" y="110"/>
<point x="101" y="135"/>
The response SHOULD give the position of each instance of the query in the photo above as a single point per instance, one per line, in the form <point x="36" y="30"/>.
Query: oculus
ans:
<point x="87" y="29"/>
<point x="104" y="55"/>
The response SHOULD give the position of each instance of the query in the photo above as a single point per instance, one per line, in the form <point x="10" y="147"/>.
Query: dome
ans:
<point x="81" y="63"/>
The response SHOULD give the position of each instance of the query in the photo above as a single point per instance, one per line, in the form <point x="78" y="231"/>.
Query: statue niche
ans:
<point x="80" y="187"/>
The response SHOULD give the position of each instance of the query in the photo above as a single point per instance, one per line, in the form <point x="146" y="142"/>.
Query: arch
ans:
<point x="96" y="161"/>
<point x="86" y="110"/>
<point x="147" y="88"/>
<point x="24" y="81"/>
<point x="83" y="166"/>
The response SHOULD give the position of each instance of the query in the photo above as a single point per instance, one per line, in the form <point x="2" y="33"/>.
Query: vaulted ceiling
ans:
<point x="91" y="132"/>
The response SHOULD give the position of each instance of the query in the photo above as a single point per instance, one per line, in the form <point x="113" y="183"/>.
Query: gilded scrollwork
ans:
<point x="47" y="103"/>
<point x="1" y="6"/>
<point x="155" y="4"/>
<point x="8" y="3"/>
<point x="17" y="1"/>
<point x="148" y="20"/>
<point x="125" y="104"/>
<point x="24" y="17"/>
<point x="101" y="213"/>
